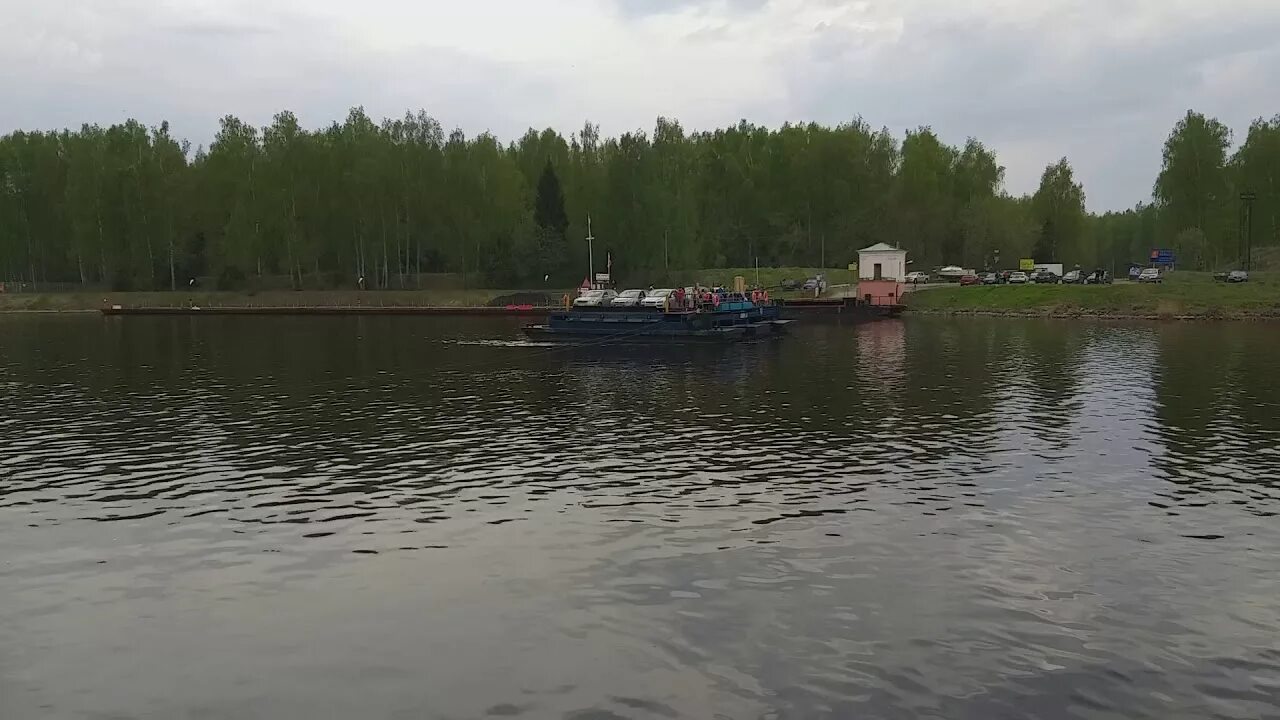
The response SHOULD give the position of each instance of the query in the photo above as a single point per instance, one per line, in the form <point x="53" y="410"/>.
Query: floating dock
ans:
<point x="790" y="309"/>
<point x="500" y="311"/>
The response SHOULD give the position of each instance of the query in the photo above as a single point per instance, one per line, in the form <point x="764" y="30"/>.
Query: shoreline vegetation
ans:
<point x="446" y="291"/>
<point x="388" y="205"/>
<point x="1183" y="296"/>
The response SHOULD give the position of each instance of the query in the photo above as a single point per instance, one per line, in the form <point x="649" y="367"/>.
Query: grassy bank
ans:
<point x="441" y="296"/>
<point x="772" y="277"/>
<point x="92" y="301"/>
<point x="1182" y="295"/>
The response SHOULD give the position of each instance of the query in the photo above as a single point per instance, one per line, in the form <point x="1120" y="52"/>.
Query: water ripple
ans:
<point x="390" y="517"/>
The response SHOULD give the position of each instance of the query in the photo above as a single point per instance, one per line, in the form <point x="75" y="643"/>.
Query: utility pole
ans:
<point x="591" y="258"/>
<point x="1246" y="226"/>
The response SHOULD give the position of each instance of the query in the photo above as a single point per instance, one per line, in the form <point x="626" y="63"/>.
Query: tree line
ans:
<point x="132" y="207"/>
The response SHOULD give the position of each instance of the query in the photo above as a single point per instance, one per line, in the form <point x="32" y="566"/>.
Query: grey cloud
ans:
<point x="195" y="77"/>
<point x="642" y="8"/>
<point x="1108" y="107"/>
<point x="1032" y="89"/>
<point x="219" y="30"/>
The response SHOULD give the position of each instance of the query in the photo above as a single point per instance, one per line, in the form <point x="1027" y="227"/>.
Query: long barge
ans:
<point x="733" y="318"/>
<point x="787" y="309"/>
<point x="498" y="311"/>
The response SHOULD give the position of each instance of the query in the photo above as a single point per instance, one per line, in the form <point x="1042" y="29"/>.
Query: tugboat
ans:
<point x="711" y="316"/>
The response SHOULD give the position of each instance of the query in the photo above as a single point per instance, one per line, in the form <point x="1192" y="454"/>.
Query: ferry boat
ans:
<point x="713" y="317"/>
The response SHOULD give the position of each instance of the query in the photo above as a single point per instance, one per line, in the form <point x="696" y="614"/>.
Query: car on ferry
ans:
<point x="656" y="298"/>
<point x="628" y="298"/>
<point x="595" y="298"/>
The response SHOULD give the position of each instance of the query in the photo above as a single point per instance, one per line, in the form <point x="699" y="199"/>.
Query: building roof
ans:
<point x="881" y="247"/>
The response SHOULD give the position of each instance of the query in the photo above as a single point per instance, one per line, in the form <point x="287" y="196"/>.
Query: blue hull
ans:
<point x="731" y="322"/>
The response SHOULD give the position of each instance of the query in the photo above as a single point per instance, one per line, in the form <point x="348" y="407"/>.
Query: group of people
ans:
<point x="698" y="296"/>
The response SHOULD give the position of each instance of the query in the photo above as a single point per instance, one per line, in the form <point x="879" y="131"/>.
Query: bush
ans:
<point x="231" y="278"/>
<point x="121" y="281"/>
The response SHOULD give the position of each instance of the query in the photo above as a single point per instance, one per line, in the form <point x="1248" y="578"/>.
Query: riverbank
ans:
<point x="95" y="301"/>
<point x="1186" y="296"/>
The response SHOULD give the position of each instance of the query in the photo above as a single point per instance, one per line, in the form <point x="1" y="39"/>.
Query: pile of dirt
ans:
<point x="537" y="299"/>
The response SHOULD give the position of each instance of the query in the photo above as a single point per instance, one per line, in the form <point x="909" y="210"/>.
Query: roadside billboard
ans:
<point x="1162" y="257"/>
<point x="1026" y="264"/>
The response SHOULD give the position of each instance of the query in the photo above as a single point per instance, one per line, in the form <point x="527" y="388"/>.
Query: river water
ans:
<point x="427" y="518"/>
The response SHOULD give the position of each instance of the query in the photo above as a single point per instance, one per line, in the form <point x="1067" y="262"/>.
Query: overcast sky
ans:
<point x="1100" y="81"/>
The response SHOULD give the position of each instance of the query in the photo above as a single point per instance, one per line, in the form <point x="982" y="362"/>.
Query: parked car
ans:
<point x="655" y="298"/>
<point x="990" y="278"/>
<point x="1004" y="275"/>
<point x="970" y="280"/>
<point x="1098" y="277"/>
<point x="1150" y="275"/>
<point x="791" y="284"/>
<point x="917" y="277"/>
<point x="1135" y="271"/>
<point x="1238" y="276"/>
<point x="1017" y="277"/>
<point x="1073" y="277"/>
<point x="1045" y="277"/>
<point x="627" y="298"/>
<point x="595" y="298"/>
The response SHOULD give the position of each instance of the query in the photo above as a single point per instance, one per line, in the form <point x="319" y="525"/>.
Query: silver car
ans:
<point x="628" y="298"/>
<point x="594" y="298"/>
<point x="655" y="298"/>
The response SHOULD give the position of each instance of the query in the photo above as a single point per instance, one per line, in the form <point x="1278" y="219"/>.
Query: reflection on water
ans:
<point x="400" y="517"/>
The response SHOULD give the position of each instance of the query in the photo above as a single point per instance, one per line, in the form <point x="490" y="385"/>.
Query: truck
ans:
<point x="1055" y="268"/>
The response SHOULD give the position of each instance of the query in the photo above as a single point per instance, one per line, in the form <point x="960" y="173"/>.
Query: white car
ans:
<point x="594" y="298"/>
<point x="1150" y="275"/>
<point x="628" y="298"/>
<point x="655" y="298"/>
<point x="1017" y="277"/>
<point x="917" y="277"/>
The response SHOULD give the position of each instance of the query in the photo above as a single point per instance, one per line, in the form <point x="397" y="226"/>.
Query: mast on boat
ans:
<point x="591" y="258"/>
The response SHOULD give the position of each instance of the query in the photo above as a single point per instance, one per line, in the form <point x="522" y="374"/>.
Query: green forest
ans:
<point x="130" y="207"/>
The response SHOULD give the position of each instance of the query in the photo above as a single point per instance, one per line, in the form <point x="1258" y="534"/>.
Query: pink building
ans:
<point x="882" y="270"/>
